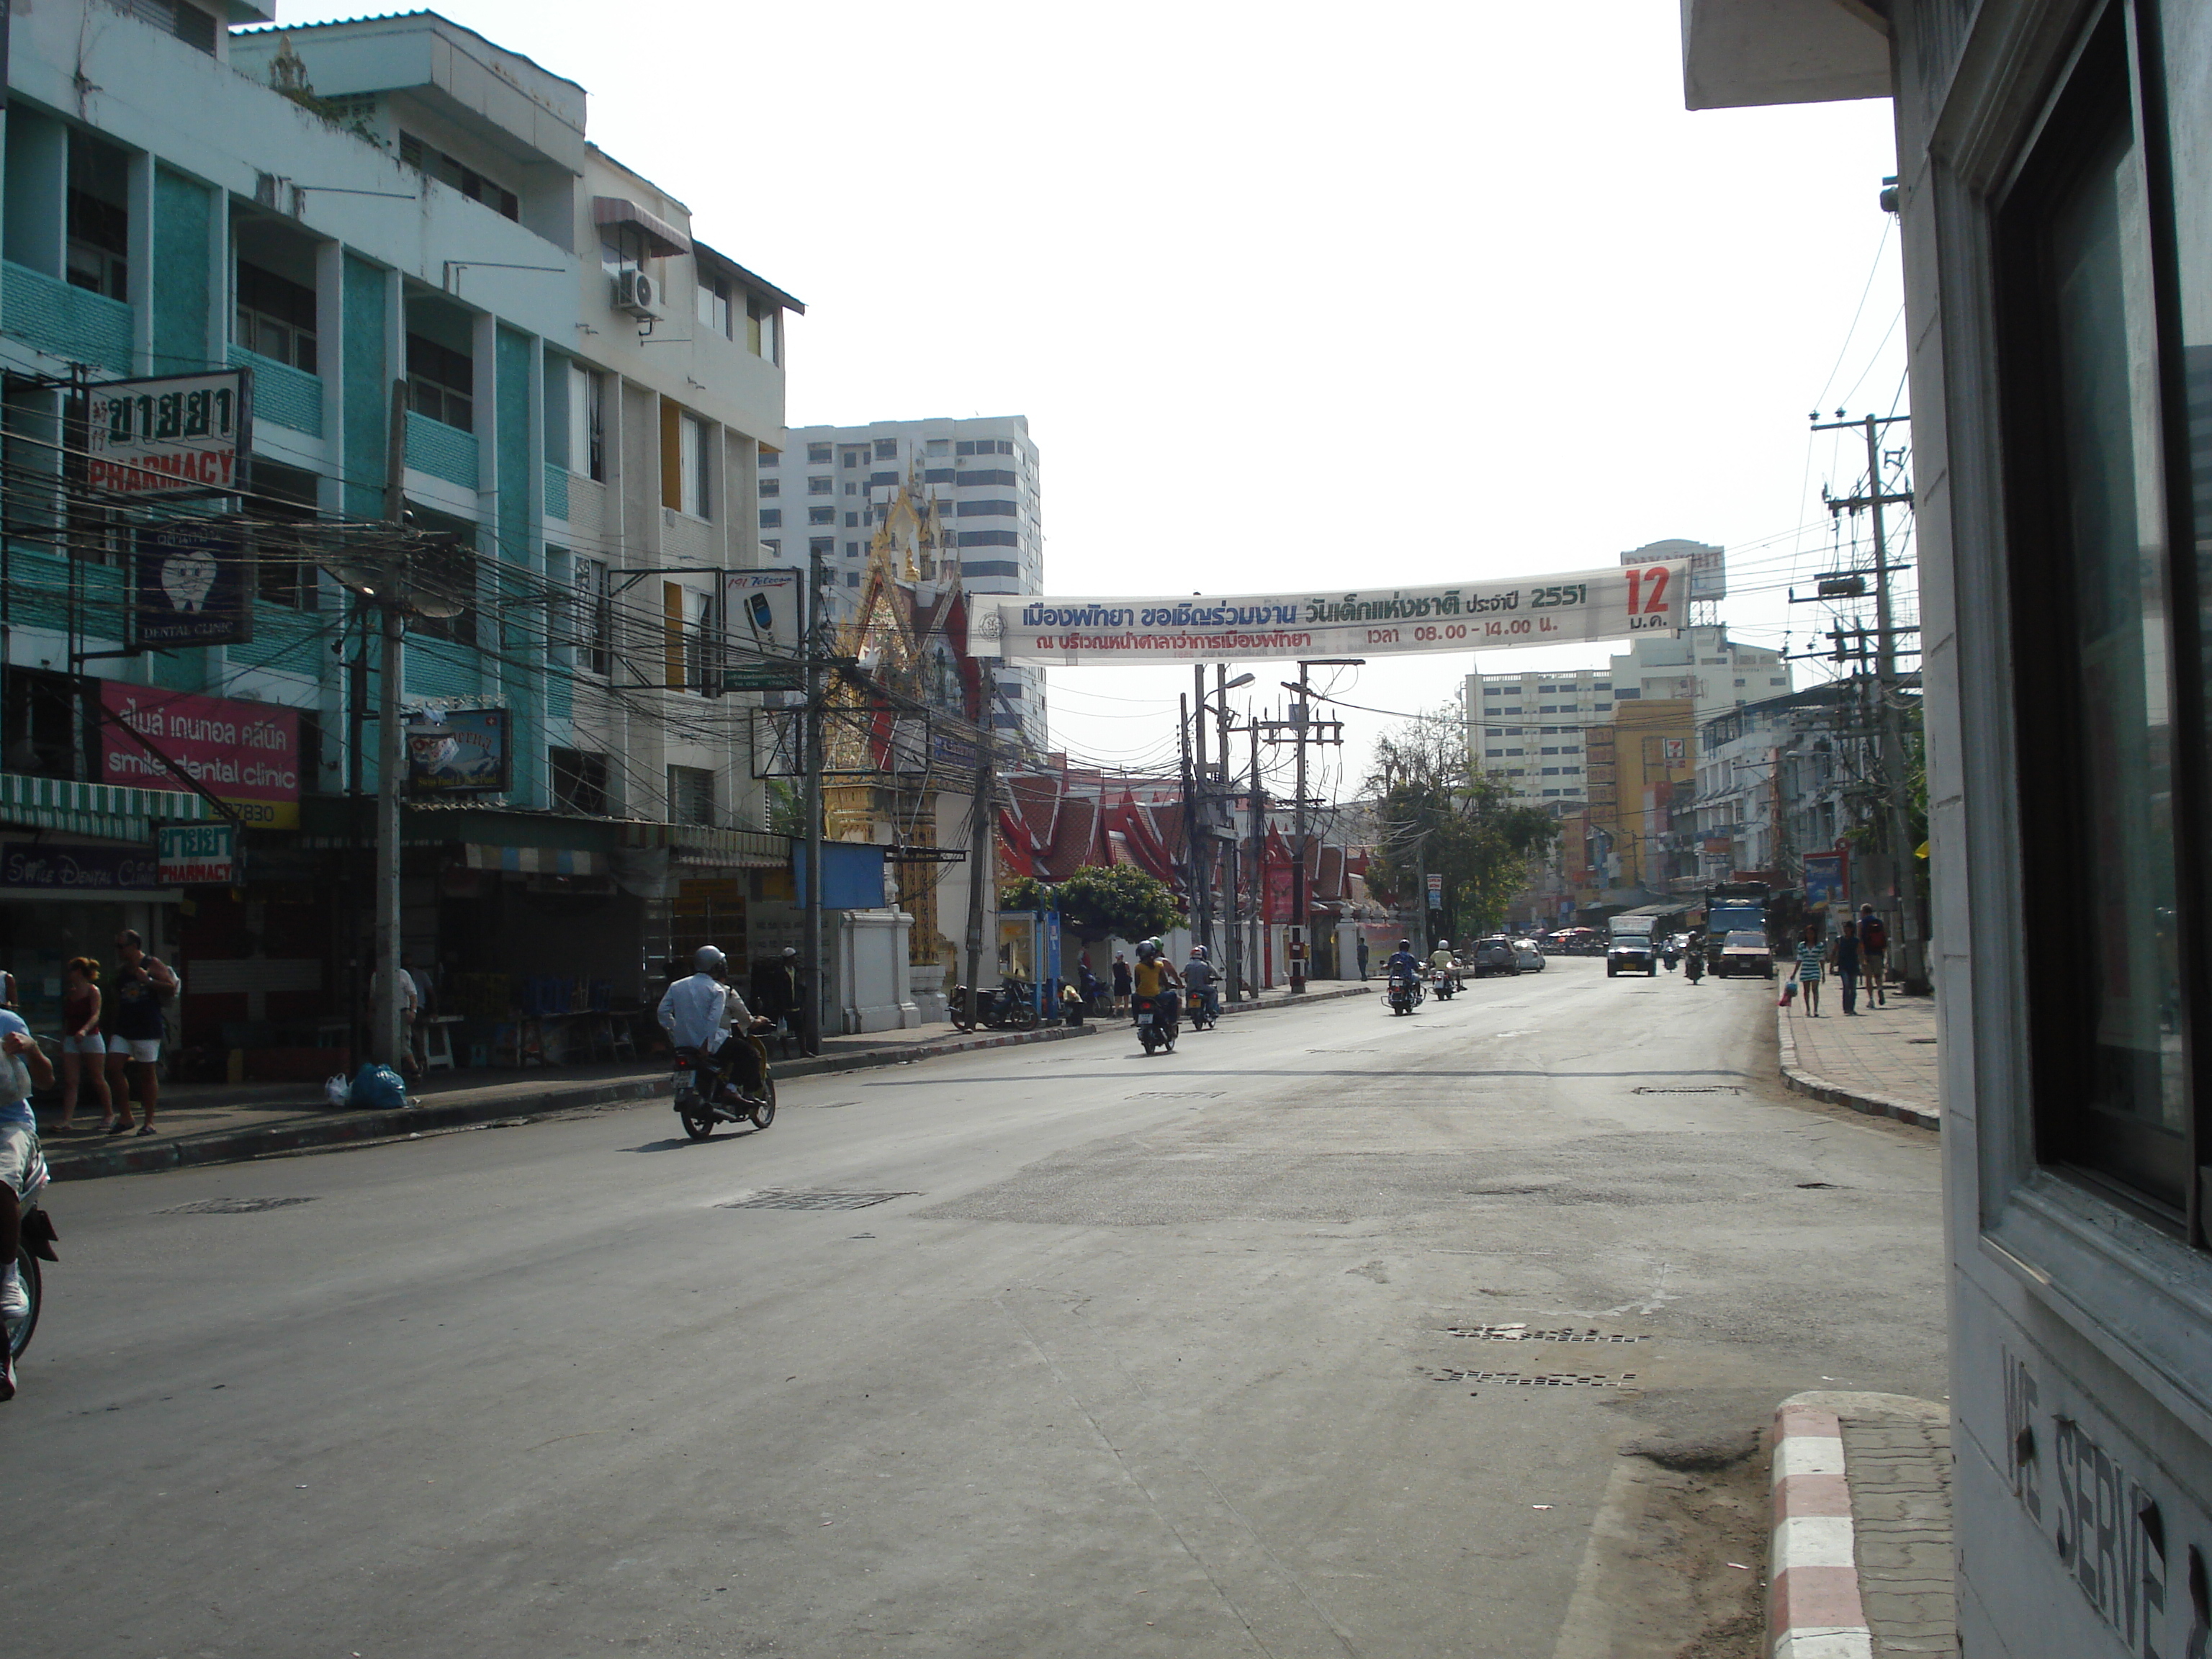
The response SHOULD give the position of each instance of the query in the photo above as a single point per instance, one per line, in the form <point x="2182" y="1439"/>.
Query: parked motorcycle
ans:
<point x="703" y="1099"/>
<point x="37" y="1246"/>
<point x="1156" y="1022"/>
<point x="1200" y="1017"/>
<point x="1405" y="993"/>
<point x="1012" y="1007"/>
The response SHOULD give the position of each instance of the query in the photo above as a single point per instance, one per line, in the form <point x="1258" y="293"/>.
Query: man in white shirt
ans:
<point x="701" y="1012"/>
<point x="23" y="1064"/>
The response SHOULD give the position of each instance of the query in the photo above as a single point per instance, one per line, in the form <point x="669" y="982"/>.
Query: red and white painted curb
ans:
<point x="1814" y="1610"/>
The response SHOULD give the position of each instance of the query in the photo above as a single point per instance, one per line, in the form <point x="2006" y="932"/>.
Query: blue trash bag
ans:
<point x="376" y="1087"/>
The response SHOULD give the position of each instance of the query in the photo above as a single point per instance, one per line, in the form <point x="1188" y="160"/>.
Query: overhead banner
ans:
<point x="179" y="435"/>
<point x="1560" y="610"/>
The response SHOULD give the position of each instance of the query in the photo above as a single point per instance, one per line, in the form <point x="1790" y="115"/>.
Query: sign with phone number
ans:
<point x="1608" y="603"/>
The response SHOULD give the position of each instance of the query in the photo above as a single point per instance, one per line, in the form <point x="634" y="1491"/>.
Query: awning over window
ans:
<point x="534" y="861"/>
<point x="702" y="844"/>
<point x="110" y="811"/>
<point x="662" y="239"/>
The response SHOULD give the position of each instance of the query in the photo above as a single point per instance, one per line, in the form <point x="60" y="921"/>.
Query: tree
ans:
<point x="1437" y="815"/>
<point x="1101" y="901"/>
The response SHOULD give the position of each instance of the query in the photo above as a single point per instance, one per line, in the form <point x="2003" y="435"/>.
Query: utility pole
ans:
<point x="1233" y="927"/>
<point x="1259" y="881"/>
<point x="1303" y="729"/>
<point x="1889" y="743"/>
<point x="979" y="842"/>
<point x="1190" y="812"/>
<point x="1201" y="821"/>
<point x="386" y="1036"/>
<point x="810" y="1037"/>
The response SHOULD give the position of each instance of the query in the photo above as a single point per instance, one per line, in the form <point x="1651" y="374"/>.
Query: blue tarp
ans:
<point x="852" y="875"/>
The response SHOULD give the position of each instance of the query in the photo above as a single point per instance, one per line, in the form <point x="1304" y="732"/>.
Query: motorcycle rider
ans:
<point x="1198" y="974"/>
<point x="1403" y="961"/>
<point x="701" y="1011"/>
<point x="1442" y="960"/>
<point x="1155" y="976"/>
<point x="22" y="1170"/>
<point x="1695" y="952"/>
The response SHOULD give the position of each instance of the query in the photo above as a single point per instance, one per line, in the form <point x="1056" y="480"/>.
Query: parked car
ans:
<point x="1530" y="958"/>
<point x="1493" y="955"/>
<point x="1745" y="953"/>
<point x="1630" y="953"/>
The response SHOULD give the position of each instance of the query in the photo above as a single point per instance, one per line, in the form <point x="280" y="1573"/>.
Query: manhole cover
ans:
<point x="1542" y="1380"/>
<point x="1522" y="1334"/>
<point x="1195" y="1094"/>
<point x="235" y="1205"/>
<point x="1698" y="1089"/>
<point x="779" y="1200"/>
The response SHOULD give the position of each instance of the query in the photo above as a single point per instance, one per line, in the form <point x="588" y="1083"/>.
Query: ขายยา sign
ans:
<point x="1582" y="606"/>
<point x="197" y="854"/>
<point x="181" y="435"/>
<point x="246" y="754"/>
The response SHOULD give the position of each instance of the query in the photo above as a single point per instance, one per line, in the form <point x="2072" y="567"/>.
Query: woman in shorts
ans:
<point x="1809" y="954"/>
<point x="84" y="1051"/>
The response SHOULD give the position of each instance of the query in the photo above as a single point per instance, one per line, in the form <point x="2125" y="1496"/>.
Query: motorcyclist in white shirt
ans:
<point x="700" y="1012"/>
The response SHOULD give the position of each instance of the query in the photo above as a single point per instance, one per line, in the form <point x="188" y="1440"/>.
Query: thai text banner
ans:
<point x="1558" y="610"/>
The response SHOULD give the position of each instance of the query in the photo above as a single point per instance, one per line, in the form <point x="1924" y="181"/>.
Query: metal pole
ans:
<point x="979" y="843"/>
<point x="1259" y="883"/>
<point x="1889" y="752"/>
<point x="1298" y="917"/>
<point x="811" y="1039"/>
<point x="1233" y="927"/>
<point x="1202" y="845"/>
<point x="385" y="1036"/>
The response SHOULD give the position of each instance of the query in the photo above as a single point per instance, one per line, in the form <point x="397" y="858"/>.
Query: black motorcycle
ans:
<point x="703" y="1099"/>
<point x="1693" y="964"/>
<point x="1405" y="993"/>
<point x="1156" y="1021"/>
<point x="1195" y="1006"/>
<point x="1012" y="1006"/>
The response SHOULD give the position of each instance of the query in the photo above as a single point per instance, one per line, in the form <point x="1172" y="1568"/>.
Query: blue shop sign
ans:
<point x="29" y="865"/>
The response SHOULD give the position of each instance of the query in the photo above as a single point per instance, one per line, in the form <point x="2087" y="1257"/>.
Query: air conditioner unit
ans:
<point x="635" y="293"/>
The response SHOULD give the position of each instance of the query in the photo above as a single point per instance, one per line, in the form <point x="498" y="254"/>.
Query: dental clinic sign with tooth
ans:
<point x="193" y="586"/>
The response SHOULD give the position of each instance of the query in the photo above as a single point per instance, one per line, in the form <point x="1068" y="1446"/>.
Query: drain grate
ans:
<point x="1701" y="1089"/>
<point x="235" y="1205"/>
<point x="1522" y="1334"/>
<point x="779" y="1199"/>
<point x="1542" y="1380"/>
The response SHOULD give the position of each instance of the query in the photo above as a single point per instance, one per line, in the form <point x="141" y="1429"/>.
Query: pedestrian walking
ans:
<point x="84" y="1051"/>
<point x="23" y="1066"/>
<point x="1363" y="956"/>
<point x="1120" y="983"/>
<point x="1845" y="953"/>
<point x="1808" y="969"/>
<point x="1874" y="955"/>
<point x="135" y="1028"/>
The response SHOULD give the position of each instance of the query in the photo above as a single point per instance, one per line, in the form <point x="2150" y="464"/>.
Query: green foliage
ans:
<point x="1438" y="817"/>
<point x="1100" y="901"/>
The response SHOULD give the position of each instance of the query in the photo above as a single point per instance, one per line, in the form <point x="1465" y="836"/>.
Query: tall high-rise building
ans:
<point x="833" y="484"/>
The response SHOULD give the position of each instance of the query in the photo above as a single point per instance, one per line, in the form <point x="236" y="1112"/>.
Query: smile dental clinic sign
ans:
<point x="1612" y="603"/>
<point x="245" y="753"/>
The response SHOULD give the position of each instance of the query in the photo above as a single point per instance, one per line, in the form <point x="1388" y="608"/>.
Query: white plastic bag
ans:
<point x="335" y="1088"/>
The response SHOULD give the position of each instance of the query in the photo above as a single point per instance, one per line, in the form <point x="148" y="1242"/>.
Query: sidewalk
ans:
<point x="1861" y="1555"/>
<point x="228" y="1123"/>
<point x="1880" y="1060"/>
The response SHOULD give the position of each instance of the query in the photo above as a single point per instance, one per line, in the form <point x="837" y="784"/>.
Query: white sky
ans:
<point x="1292" y="295"/>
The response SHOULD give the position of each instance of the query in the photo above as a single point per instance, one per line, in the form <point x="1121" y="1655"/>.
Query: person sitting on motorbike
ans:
<point x="1403" y="961"/>
<point x="1442" y="960"/>
<point x="1153" y="976"/>
<point x="701" y="1011"/>
<point x="1198" y="974"/>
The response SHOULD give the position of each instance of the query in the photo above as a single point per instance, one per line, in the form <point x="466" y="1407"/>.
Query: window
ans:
<point x="1494" y="754"/>
<point x="770" y="457"/>
<point x="447" y="567"/>
<point x="761" y="328"/>
<point x="937" y="475"/>
<point x="939" y="447"/>
<point x="282" y="575"/>
<point x="691" y="795"/>
<point x="2100" y="488"/>
<point x="990" y="539"/>
<point x="714" y="303"/>
<point x="695" y="465"/>
<point x="1494" y="690"/>
<point x="853" y="456"/>
<point x="992" y="567"/>
<point x="440" y="382"/>
<point x="966" y="446"/>
<point x="987" y="509"/>
<point x="852" y="489"/>
<point x="889" y="479"/>
<point x="580" y="782"/>
<point x="451" y="170"/>
<point x="591" y="614"/>
<point x="587" y="452"/>
<point x="771" y="518"/>
<point x="275" y="317"/>
<point x="851" y="520"/>
<point x="191" y="25"/>
<point x="1739" y="682"/>
<point x="824" y="545"/>
<point x="852" y="549"/>
<point x="771" y="487"/>
<point x="817" y="454"/>
<point x="852" y="579"/>
<point x="99" y="244"/>
<point x="887" y="449"/>
<point x="817" y="486"/>
<point x="989" y="476"/>
<point x="821" y="515"/>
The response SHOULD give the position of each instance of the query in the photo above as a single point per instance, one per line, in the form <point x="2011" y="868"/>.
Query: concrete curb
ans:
<point x="1361" y="989"/>
<point x="1873" y="1105"/>
<point x="1814" y="1610"/>
<point x="238" y="1145"/>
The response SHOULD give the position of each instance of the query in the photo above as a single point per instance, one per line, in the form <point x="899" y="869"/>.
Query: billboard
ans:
<point x="244" y="754"/>
<point x="456" y="751"/>
<point x="761" y="611"/>
<point x="181" y="435"/>
<point x="1707" y="565"/>
<point x="197" y="854"/>
<point x="194" y="585"/>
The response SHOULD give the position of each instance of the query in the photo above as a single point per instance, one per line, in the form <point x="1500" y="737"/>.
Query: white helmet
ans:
<point x="709" y="961"/>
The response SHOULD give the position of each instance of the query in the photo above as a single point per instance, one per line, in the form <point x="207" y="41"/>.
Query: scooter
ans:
<point x="1447" y="983"/>
<point x="1201" y="1019"/>
<point x="1156" y="1022"/>
<point x="703" y="1099"/>
<point x="1405" y="993"/>
<point x="1010" y="1005"/>
<point x="37" y="1246"/>
<point x="1693" y="964"/>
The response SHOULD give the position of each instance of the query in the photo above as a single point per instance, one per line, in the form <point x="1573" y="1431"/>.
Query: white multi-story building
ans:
<point x="833" y="485"/>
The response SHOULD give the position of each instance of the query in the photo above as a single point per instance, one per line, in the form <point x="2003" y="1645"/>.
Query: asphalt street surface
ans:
<point x="1056" y="1351"/>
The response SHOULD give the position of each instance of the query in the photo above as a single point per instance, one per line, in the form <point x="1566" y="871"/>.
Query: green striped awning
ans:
<point x="108" y="811"/>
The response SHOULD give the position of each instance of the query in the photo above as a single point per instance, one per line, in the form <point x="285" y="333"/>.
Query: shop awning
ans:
<point x="108" y="811"/>
<point x="702" y="844"/>
<point x="662" y="239"/>
<point x="534" y="861"/>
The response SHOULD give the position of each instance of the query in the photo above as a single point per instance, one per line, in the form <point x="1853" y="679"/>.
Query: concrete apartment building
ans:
<point x="835" y="485"/>
<point x="589" y="390"/>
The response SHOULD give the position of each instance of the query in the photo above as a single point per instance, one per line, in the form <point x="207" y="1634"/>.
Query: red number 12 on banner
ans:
<point x="1636" y="600"/>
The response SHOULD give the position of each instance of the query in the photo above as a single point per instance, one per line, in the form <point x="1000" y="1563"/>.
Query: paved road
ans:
<point x="1144" y="1357"/>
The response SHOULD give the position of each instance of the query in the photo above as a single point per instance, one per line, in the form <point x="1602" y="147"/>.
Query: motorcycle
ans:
<point x="1447" y="984"/>
<point x="1156" y="1022"/>
<point x="1202" y="1018"/>
<point x="703" y="1099"/>
<point x="1010" y="1006"/>
<point x="1694" y="965"/>
<point x="1405" y="993"/>
<point x="37" y="1245"/>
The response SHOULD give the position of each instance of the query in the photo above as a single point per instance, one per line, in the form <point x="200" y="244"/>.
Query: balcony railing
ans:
<point x="282" y="395"/>
<point x="443" y="452"/>
<point x="70" y="323"/>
